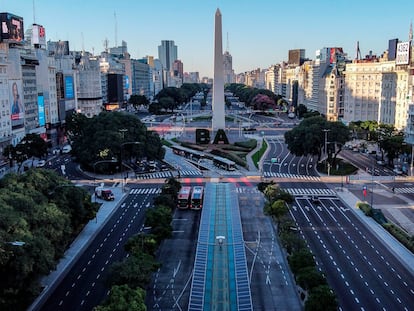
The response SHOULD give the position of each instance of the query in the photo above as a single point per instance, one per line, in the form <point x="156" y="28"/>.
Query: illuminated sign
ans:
<point x="38" y="35"/>
<point x="11" y="29"/>
<point x="69" y="90"/>
<point x="41" y="109"/>
<point x="403" y="53"/>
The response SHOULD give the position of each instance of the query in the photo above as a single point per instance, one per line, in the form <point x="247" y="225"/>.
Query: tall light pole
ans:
<point x="326" y="146"/>
<point x="120" y="156"/>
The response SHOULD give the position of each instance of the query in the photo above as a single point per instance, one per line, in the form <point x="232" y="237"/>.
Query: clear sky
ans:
<point x="260" y="32"/>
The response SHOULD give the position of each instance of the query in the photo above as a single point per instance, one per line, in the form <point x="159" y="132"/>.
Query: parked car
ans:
<point x="66" y="149"/>
<point x="41" y="163"/>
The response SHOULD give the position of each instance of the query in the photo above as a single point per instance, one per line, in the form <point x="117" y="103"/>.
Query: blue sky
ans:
<point x="260" y="32"/>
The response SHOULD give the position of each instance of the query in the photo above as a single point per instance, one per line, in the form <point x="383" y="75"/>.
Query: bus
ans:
<point x="184" y="197"/>
<point x="197" y="198"/>
<point x="191" y="154"/>
<point x="224" y="163"/>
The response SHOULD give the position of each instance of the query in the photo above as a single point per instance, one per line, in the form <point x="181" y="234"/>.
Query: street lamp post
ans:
<point x="120" y="156"/>
<point x="326" y="146"/>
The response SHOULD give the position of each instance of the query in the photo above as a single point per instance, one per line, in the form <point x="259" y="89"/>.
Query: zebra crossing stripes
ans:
<point x="145" y="191"/>
<point x="275" y="137"/>
<point x="310" y="191"/>
<point x="285" y="175"/>
<point x="247" y="190"/>
<point x="168" y="174"/>
<point x="404" y="190"/>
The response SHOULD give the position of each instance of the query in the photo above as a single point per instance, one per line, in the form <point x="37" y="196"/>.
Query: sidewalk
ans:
<point x="406" y="257"/>
<point x="77" y="247"/>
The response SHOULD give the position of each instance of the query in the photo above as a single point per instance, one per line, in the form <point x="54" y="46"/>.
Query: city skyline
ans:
<point x="258" y="34"/>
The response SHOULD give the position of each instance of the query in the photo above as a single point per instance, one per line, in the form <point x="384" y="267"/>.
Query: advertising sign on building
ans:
<point x="16" y="103"/>
<point x="69" y="87"/>
<point x="403" y="53"/>
<point x="11" y="29"/>
<point x="38" y="35"/>
<point x="41" y="109"/>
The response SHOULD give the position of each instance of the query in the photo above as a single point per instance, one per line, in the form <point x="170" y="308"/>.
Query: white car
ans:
<point x="41" y="163"/>
<point x="397" y="171"/>
<point x="66" y="149"/>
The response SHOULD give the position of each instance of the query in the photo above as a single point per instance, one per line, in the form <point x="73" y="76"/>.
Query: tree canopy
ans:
<point x="109" y="135"/>
<point x="44" y="211"/>
<point x="308" y="138"/>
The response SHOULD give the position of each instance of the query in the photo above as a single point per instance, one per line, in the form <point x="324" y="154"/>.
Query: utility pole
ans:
<point x="326" y="146"/>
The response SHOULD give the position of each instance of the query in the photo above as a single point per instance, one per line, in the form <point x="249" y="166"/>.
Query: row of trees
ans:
<point x="107" y="137"/>
<point x="40" y="214"/>
<point x="310" y="136"/>
<point x="170" y="98"/>
<point x="316" y="292"/>
<point x="129" y="278"/>
<point x="31" y="146"/>
<point x="257" y="99"/>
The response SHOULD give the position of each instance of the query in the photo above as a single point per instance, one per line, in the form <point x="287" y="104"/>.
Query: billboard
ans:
<point x="16" y="103"/>
<point x="69" y="90"/>
<point x="41" y="109"/>
<point x="12" y="30"/>
<point x="392" y="49"/>
<point x="38" y="35"/>
<point x="403" y="53"/>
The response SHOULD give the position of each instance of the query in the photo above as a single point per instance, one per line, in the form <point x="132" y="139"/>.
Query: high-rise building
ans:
<point x="228" y="68"/>
<point x="141" y="76"/>
<point x="167" y="54"/>
<point x="178" y="68"/>
<point x="89" y="87"/>
<point x="296" y="57"/>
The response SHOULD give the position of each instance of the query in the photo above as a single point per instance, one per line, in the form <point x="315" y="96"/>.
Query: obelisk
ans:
<point x="218" y="121"/>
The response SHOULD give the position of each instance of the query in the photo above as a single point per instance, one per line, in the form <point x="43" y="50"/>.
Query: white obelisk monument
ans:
<point x="218" y="121"/>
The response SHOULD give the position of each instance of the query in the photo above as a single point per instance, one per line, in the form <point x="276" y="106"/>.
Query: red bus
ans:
<point x="184" y="197"/>
<point x="197" y="198"/>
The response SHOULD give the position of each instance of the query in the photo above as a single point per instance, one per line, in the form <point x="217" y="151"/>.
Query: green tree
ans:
<point x="300" y="259"/>
<point x="309" y="277"/>
<point x="301" y="110"/>
<point x="159" y="219"/>
<point x="124" y="298"/>
<point x="177" y="95"/>
<point x="138" y="100"/>
<point x="308" y="138"/>
<point x="134" y="271"/>
<point x="321" y="298"/>
<point x="30" y="213"/>
<point x="276" y="209"/>
<point x="102" y="137"/>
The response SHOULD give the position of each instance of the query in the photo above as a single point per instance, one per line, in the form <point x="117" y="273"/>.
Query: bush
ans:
<point x="249" y="144"/>
<point x="400" y="235"/>
<point x="365" y="207"/>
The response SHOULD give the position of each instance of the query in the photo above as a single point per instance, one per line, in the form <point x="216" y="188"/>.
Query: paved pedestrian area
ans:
<point x="220" y="278"/>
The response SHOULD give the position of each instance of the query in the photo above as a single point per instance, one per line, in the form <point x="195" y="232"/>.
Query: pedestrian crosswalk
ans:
<point x="247" y="190"/>
<point x="168" y="174"/>
<point x="250" y="190"/>
<point x="295" y="176"/>
<point x="404" y="190"/>
<point x="145" y="191"/>
<point x="310" y="191"/>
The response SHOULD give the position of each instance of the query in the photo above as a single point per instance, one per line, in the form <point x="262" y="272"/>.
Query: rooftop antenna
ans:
<point x="83" y="43"/>
<point x="34" y="13"/>
<point x="410" y="34"/>
<point x="116" y="30"/>
<point x="358" y="51"/>
<point x="228" y="44"/>
<point x="106" y="43"/>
